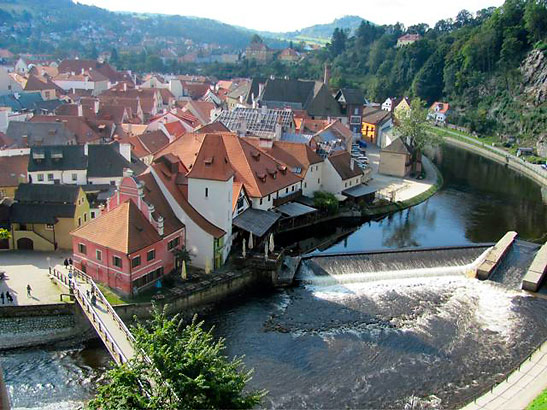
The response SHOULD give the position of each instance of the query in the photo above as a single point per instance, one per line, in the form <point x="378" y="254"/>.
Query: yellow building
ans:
<point x="44" y="215"/>
<point x="13" y="172"/>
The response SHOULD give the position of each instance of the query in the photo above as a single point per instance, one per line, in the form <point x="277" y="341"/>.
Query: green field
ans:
<point x="540" y="403"/>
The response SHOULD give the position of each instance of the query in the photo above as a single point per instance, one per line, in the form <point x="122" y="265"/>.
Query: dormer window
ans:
<point x="255" y="155"/>
<point x="209" y="161"/>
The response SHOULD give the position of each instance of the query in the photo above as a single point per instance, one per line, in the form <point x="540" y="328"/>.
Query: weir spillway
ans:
<point x="390" y="264"/>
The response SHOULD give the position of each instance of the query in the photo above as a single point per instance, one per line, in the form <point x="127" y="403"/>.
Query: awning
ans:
<point x="293" y="209"/>
<point x="360" y="191"/>
<point x="256" y="221"/>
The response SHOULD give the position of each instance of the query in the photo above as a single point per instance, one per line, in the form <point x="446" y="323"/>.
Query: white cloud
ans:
<point x="288" y="15"/>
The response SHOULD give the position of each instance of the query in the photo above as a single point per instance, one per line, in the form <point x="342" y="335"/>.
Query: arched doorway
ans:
<point x="25" y="243"/>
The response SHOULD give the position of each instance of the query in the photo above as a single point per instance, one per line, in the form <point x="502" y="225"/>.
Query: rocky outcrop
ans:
<point x="534" y="76"/>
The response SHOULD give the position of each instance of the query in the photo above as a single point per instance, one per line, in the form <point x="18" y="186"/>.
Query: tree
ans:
<point x="338" y="42"/>
<point x="188" y="371"/>
<point x="256" y="39"/>
<point x="4" y="234"/>
<point x="412" y="128"/>
<point x="535" y="18"/>
<point x="326" y="202"/>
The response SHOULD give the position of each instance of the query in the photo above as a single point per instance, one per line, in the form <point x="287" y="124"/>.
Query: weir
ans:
<point x="391" y="264"/>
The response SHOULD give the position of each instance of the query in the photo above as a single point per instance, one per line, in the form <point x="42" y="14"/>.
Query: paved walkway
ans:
<point x="521" y="387"/>
<point x="403" y="188"/>
<point x="29" y="268"/>
<point x="103" y="318"/>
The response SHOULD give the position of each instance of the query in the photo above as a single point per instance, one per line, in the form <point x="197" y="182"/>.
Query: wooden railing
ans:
<point x="287" y="198"/>
<point x="102" y="330"/>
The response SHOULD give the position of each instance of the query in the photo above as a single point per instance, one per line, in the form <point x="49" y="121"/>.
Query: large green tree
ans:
<point x="188" y="370"/>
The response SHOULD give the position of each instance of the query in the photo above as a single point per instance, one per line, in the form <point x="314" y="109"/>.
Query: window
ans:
<point x="260" y="201"/>
<point x="318" y="180"/>
<point x="269" y="197"/>
<point x="50" y="177"/>
<point x="82" y="248"/>
<point x="292" y="188"/>
<point x="47" y="93"/>
<point x="136" y="262"/>
<point x="85" y="217"/>
<point x="40" y="177"/>
<point x="49" y="227"/>
<point x="79" y="221"/>
<point x="74" y="177"/>
<point x="355" y="120"/>
<point x="206" y="192"/>
<point x="305" y="184"/>
<point x="92" y="214"/>
<point x="356" y="111"/>
<point x="98" y="255"/>
<point x="173" y="243"/>
<point x="151" y="255"/>
<point x="117" y="261"/>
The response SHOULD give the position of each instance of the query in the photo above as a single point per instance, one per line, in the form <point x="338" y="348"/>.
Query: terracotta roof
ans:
<point x="115" y="113"/>
<point x="236" y="190"/>
<point x="374" y="115"/>
<point x="339" y="129"/>
<point x="212" y="160"/>
<point x="200" y="109"/>
<point x="153" y="141"/>
<point x="341" y="161"/>
<point x="77" y="65"/>
<point x="442" y="107"/>
<point x="196" y="90"/>
<point x="216" y="126"/>
<point x="154" y="196"/>
<point x="13" y="170"/>
<point x="260" y="173"/>
<point x="170" y="179"/>
<point x="123" y="229"/>
<point x="398" y="146"/>
<point x="35" y="83"/>
<point x="175" y="128"/>
<point x="294" y="155"/>
<point x="92" y="76"/>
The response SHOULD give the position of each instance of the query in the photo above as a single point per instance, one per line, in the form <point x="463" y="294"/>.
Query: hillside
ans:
<point x="321" y="33"/>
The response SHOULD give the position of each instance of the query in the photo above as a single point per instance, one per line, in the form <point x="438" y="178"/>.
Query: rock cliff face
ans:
<point x="534" y="76"/>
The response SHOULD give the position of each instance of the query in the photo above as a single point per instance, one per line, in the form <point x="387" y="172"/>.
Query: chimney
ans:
<point x="80" y="110"/>
<point x="160" y="225"/>
<point x="326" y="76"/>
<point x="96" y="106"/>
<point x="124" y="86"/>
<point x="151" y="210"/>
<point x="127" y="172"/>
<point x="83" y="71"/>
<point x="352" y="163"/>
<point x="86" y="149"/>
<point x="260" y="90"/>
<point x="125" y="150"/>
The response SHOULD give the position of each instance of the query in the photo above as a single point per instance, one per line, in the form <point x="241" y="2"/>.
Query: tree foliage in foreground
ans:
<point x="192" y="372"/>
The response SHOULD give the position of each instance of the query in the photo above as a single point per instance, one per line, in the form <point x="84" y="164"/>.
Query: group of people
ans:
<point x="67" y="262"/>
<point x="6" y="298"/>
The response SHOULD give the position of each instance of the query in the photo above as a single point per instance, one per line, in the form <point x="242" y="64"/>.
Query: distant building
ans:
<point x="377" y="124"/>
<point x="438" y="112"/>
<point x="396" y="159"/>
<point x="408" y="39"/>
<point x="289" y="55"/>
<point x="259" y="52"/>
<point x="351" y="102"/>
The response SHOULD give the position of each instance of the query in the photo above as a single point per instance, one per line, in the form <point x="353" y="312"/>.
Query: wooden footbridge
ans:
<point x="109" y="327"/>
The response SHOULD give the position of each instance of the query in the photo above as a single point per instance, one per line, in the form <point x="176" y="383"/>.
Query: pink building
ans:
<point x="131" y="244"/>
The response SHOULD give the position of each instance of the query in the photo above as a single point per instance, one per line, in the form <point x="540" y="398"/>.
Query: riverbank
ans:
<point x="415" y="196"/>
<point x="534" y="172"/>
<point x="520" y="388"/>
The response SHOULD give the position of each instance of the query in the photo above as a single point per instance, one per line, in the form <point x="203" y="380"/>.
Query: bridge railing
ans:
<point x="96" y="321"/>
<point x="89" y="280"/>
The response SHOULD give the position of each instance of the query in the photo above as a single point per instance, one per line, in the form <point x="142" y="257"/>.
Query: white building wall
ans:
<point x="312" y="179"/>
<point x="199" y="243"/>
<point x="332" y="182"/>
<point x="213" y="199"/>
<point x="175" y="86"/>
<point x="65" y="177"/>
<point x="105" y="180"/>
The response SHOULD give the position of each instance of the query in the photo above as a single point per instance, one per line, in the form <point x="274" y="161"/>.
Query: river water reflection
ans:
<point x="368" y="345"/>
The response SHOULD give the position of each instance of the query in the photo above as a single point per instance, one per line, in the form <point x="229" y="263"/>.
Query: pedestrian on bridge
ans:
<point x="2" y="297"/>
<point x="66" y="263"/>
<point x="29" y="289"/>
<point x="94" y="300"/>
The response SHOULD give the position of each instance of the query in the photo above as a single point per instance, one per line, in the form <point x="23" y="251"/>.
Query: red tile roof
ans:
<point x="123" y="229"/>
<point x="13" y="170"/>
<point x="341" y="161"/>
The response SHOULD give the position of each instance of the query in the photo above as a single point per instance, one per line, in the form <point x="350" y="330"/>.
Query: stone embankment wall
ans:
<point x="513" y="164"/>
<point x="36" y="325"/>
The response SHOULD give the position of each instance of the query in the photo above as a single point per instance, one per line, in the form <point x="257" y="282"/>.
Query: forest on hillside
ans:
<point x="471" y="61"/>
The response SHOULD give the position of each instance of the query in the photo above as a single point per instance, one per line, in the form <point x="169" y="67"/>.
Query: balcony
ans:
<point x="287" y="198"/>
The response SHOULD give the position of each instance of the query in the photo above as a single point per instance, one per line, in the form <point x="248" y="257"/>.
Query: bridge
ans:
<point x="109" y="327"/>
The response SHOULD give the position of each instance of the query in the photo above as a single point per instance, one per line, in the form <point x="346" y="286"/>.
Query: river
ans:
<point x="434" y="341"/>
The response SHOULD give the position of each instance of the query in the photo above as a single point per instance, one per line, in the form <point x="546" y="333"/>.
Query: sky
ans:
<point x="290" y="15"/>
